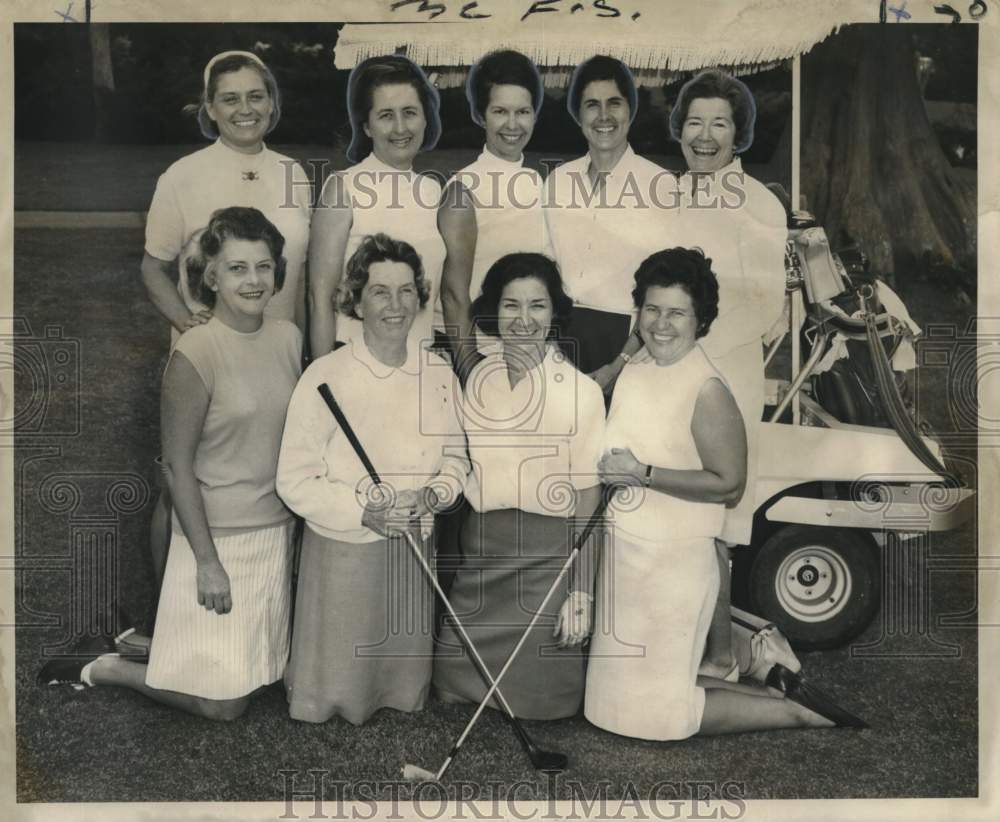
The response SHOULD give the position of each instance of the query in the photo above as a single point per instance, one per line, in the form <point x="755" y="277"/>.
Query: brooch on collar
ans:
<point x="251" y="175"/>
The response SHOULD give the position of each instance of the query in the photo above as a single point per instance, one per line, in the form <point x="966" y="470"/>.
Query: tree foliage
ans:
<point x="158" y="70"/>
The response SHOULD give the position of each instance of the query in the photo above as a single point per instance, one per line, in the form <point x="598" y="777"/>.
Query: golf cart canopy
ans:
<point x="559" y="34"/>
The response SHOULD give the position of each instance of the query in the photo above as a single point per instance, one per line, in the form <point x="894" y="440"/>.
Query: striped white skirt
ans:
<point x="199" y="652"/>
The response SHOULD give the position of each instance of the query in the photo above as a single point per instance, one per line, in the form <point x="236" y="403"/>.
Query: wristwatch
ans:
<point x="649" y="475"/>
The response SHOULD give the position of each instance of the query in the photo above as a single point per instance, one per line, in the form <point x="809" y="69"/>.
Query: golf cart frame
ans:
<point x="830" y="493"/>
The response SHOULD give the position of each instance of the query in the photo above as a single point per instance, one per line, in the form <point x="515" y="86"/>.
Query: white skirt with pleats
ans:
<point x="225" y="656"/>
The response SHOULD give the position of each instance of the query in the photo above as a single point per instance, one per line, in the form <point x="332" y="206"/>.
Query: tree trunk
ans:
<point x="103" y="76"/>
<point x="872" y="167"/>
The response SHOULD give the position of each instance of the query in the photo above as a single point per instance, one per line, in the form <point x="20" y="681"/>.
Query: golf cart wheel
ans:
<point x="820" y="586"/>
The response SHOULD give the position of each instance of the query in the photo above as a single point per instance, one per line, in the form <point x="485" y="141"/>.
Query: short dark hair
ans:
<point x="392" y="69"/>
<point x="233" y="223"/>
<point x="501" y="68"/>
<point x="687" y="268"/>
<point x="226" y="65"/>
<point x="601" y="67"/>
<point x="377" y="248"/>
<point x="518" y="266"/>
<point x="716" y="83"/>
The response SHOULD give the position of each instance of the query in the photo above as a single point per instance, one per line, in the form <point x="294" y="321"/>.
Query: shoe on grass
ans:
<point x="122" y="641"/>
<point x="73" y="670"/>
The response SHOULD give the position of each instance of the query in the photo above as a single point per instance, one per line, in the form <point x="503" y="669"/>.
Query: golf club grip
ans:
<point x="345" y="426"/>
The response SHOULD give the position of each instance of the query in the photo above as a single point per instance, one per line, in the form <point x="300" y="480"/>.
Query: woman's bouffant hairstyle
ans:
<point x="214" y="70"/>
<point x="601" y="67"/>
<point x="687" y="268"/>
<point x="518" y="266"/>
<point x="234" y="223"/>
<point x="377" y="248"/>
<point x="716" y="83"/>
<point x="501" y="68"/>
<point x="393" y="69"/>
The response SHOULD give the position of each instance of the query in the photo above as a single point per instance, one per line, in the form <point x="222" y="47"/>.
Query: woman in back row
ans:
<point x="605" y="212"/>
<point x="491" y="207"/>
<point x="394" y="115"/>
<point x="240" y="105"/>
<point x="741" y="226"/>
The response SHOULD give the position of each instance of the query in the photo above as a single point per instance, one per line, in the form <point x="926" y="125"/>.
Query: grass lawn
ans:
<point x="113" y="745"/>
<point x="60" y="176"/>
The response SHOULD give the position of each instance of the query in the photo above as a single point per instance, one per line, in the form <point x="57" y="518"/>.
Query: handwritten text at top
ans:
<point x="532" y="9"/>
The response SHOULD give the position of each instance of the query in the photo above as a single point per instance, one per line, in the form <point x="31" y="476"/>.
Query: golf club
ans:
<point x="595" y="517"/>
<point x="541" y="759"/>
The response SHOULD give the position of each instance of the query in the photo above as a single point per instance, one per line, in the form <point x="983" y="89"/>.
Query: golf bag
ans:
<point x="850" y="388"/>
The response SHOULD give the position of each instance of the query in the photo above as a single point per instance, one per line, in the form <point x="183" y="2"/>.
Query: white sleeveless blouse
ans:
<point x="651" y="414"/>
<point x="509" y="217"/>
<point x="402" y="204"/>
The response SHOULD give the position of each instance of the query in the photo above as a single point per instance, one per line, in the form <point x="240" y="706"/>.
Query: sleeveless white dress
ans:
<point x="659" y="578"/>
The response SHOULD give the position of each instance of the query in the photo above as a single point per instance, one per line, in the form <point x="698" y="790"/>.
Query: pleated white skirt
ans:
<point x="199" y="652"/>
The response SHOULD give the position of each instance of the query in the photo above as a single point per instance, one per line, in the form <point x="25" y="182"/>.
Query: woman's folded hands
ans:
<point x="574" y="621"/>
<point x="410" y="510"/>
<point x="620" y="467"/>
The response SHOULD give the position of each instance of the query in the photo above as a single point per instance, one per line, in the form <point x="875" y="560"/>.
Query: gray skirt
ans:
<point x="510" y="559"/>
<point x="363" y="633"/>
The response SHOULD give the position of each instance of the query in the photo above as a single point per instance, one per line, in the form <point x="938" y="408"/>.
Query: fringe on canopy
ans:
<point x="657" y="60"/>
<point x="557" y="77"/>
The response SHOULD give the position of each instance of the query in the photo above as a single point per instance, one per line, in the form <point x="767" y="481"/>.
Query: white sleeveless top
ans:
<point x="651" y="413"/>
<point x="403" y="205"/>
<point x="745" y="238"/>
<point x="249" y="378"/>
<point x="509" y="216"/>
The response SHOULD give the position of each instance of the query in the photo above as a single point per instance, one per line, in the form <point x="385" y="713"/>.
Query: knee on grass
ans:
<point x="223" y="710"/>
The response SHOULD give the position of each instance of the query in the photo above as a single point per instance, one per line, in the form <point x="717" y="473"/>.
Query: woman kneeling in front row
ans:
<point x="222" y="623"/>
<point x="535" y="430"/>
<point x="676" y="439"/>
<point x="364" y="610"/>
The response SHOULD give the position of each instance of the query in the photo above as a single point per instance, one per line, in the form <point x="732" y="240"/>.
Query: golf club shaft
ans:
<point x="594" y="517"/>
<point x="345" y="426"/>
<point x="466" y="639"/>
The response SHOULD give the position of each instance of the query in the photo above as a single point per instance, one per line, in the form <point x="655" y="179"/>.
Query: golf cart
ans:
<point x="841" y="463"/>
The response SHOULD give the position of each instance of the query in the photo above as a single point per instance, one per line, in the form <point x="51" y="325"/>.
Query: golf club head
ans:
<point x="414" y="773"/>
<point x="548" y="761"/>
<point x="541" y="760"/>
